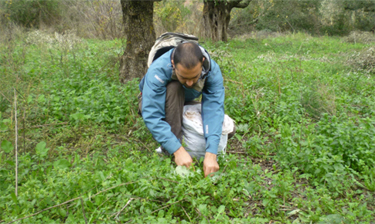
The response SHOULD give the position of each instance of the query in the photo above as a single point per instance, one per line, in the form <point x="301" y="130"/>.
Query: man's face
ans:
<point x="188" y="77"/>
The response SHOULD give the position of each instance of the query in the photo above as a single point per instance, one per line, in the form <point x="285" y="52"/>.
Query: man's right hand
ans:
<point x="182" y="157"/>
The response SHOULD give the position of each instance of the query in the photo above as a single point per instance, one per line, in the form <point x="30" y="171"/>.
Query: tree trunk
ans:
<point x="140" y="36"/>
<point x="216" y="17"/>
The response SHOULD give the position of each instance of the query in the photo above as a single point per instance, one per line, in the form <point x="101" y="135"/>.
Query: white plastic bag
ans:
<point x="192" y="131"/>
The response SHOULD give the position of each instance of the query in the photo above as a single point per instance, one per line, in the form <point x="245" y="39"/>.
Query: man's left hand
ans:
<point x="210" y="164"/>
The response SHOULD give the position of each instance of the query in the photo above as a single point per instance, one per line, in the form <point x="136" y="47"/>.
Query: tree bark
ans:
<point x="140" y="36"/>
<point x="216" y="17"/>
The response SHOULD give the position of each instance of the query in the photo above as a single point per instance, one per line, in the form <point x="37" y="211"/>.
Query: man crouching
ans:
<point x="174" y="79"/>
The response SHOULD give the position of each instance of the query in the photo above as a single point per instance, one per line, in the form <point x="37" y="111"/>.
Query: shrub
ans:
<point x="94" y="19"/>
<point x="33" y="13"/>
<point x="364" y="60"/>
<point x="360" y="37"/>
<point x="330" y="17"/>
<point x="318" y="99"/>
<point x="339" y="26"/>
<point x="278" y="16"/>
<point x="172" y="16"/>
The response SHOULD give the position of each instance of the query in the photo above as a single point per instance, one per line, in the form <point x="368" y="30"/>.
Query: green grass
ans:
<point x="303" y="151"/>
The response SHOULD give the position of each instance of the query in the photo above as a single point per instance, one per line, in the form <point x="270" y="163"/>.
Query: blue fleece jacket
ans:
<point x="154" y="87"/>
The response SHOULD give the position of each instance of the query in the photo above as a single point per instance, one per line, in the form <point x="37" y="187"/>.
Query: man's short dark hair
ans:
<point x="188" y="54"/>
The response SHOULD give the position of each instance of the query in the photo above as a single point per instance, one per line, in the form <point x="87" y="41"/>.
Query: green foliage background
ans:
<point x="32" y="13"/>
<point x="102" y="19"/>
<point x="304" y="110"/>
<point x="303" y="151"/>
<point x="317" y="17"/>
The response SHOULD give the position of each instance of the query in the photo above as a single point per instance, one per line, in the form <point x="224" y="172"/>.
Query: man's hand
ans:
<point x="182" y="158"/>
<point x="210" y="164"/>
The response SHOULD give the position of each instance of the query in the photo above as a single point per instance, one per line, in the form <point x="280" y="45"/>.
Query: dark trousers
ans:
<point x="174" y="107"/>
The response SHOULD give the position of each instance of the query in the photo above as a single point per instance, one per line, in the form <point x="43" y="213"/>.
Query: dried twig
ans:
<point x="45" y="125"/>
<point x="44" y="210"/>
<point x="102" y="181"/>
<point x="101" y="206"/>
<point x="186" y="213"/>
<point x="168" y="180"/>
<point x="24" y="133"/>
<point x="240" y="83"/>
<point x="118" y="213"/>
<point x="5" y="97"/>
<point x="83" y="211"/>
<point x="67" y="213"/>
<point x="200" y="214"/>
<point x="159" y="208"/>
<point x="16" y="138"/>
<point x="134" y="197"/>
<point x="131" y="182"/>
<point x="167" y="205"/>
<point x="105" y="201"/>
<point x="236" y="152"/>
<point x="230" y="80"/>
<point x="71" y="201"/>
<point x="226" y="166"/>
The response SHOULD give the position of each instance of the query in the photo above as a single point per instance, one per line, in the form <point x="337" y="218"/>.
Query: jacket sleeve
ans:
<point x="153" y="109"/>
<point x="213" y="108"/>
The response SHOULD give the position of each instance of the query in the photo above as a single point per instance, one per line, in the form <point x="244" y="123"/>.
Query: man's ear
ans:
<point x="172" y="63"/>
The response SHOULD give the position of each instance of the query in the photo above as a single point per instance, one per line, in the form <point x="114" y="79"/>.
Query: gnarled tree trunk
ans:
<point x="140" y="36"/>
<point x="216" y="17"/>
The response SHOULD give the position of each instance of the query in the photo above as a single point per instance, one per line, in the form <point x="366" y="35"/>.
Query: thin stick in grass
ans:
<point x="118" y="213"/>
<point x="44" y="210"/>
<point x="16" y="153"/>
<point x="83" y="210"/>
<point x="186" y="213"/>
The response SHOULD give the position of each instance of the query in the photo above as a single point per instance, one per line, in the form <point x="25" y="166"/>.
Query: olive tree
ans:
<point x="216" y="17"/>
<point x="140" y="36"/>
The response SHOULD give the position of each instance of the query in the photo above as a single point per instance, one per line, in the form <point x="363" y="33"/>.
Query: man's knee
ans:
<point x="174" y="106"/>
<point x="175" y="91"/>
<point x="174" y="87"/>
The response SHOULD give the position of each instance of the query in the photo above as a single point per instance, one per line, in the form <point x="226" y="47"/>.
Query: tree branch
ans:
<point x="242" y="4"/>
